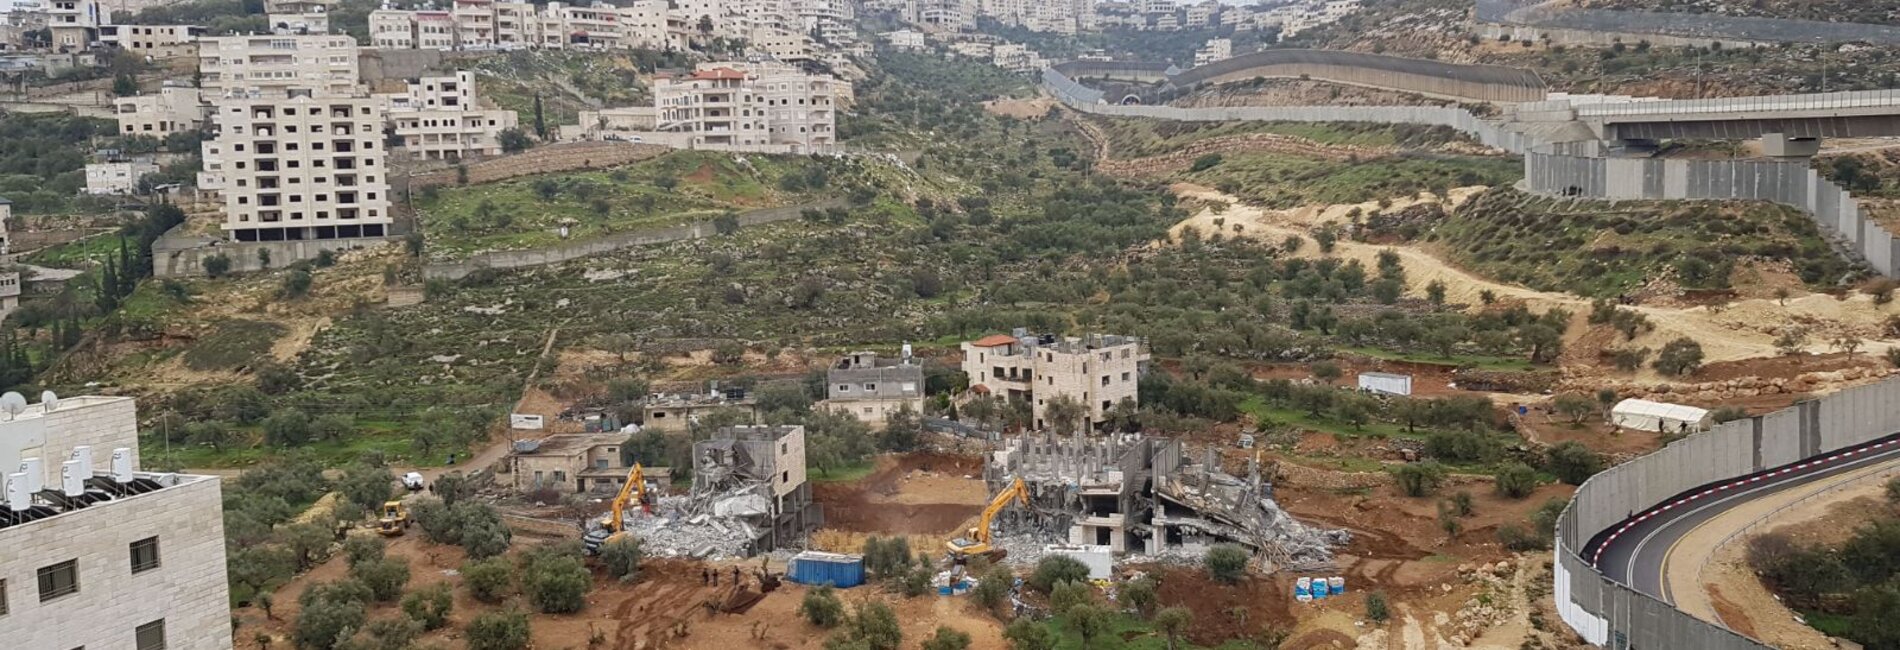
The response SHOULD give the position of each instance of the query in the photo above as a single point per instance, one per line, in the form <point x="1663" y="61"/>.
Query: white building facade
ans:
<point x="140" y="565"/>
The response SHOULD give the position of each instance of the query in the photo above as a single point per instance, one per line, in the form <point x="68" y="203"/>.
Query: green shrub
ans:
<point x="498" y="631"/>
<point x="1516" y="480"/>
<point x="1376" y="608"/>
<point x="556" y="584"/>
<point x="1226" y="563"/>
<point x="622" y="557"/>
<point x="489" y="581"/>
<point x="1572" y="462"/>
<point x="385" y="578"/>
<point x="822" y="607"/>
<point x="430" y="606"/>
<point x="1057" y="568"/>
<point x="1418" y="479"/>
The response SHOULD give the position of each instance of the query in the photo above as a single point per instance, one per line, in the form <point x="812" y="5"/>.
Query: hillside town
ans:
<point x="948" y="324"/>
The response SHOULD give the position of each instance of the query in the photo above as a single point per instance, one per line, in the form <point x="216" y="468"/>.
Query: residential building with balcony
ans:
<point x="440" y="118"/>
<point x="306" y="166"/>
<point x="100" y="554"/>
<point x="1096" y="371"/>
<point x="272" y="64"/>
<point x="749" y="105"/>
<point x="299" y="16"/>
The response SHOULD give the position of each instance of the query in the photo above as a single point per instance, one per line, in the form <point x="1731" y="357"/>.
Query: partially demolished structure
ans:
<point x="749" y="496"/>
<point x="1140" y="495"/>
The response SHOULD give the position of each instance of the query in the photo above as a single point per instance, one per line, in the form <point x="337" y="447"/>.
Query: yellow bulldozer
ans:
<point x="394" y="520"/>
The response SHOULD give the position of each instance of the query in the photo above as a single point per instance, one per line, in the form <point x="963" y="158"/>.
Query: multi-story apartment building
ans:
<point x="871" y="389"/>
<point x="170" y="110"/>
<point x="156" y="41"/>
<point x="440" y="118"/>
<point x="474" y="22"/>
<point x="101" y="554"/>
<point x="299" y="16"/>
<point x="1096" y="371"/>
<point x="299" y="167"/>
<point x="74" y="23"/>
<point x="271" y="64"/>
<point x="1216" y="49"/>
<point x="905" y="40"/>
<point x="733" y="104"/>
<point x="1017" y="58"/>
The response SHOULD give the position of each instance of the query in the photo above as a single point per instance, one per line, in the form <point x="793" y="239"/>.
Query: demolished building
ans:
<point x="749" y="496"/>
<point x="1142" y="496"/>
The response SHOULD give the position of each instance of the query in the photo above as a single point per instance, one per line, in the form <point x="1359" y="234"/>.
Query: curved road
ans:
<point x="1636" y="553"/>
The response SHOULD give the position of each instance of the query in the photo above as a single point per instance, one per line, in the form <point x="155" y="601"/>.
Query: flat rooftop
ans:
<point x="45" y="510"/>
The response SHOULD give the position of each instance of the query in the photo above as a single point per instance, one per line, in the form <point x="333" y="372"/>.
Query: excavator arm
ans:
<point x="978" y="541"/>
<point x="636" y="488"/>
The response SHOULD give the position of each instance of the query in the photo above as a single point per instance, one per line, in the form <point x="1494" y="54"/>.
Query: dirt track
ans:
<point x="1740" y="330"/>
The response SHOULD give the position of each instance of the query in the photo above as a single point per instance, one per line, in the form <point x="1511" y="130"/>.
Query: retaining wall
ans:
<point x="610" y="243"/>
<point x="1486" y="83"/>
<point x="174" y="256"/>
<point x="545" y="159"/>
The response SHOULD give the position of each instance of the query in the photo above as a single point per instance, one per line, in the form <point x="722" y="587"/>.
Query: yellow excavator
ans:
<point x="612" y="526"/>
<point x="978" y="541"/>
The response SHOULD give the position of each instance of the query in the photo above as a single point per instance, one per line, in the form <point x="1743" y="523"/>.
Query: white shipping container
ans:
<point x="1385" y="382"/>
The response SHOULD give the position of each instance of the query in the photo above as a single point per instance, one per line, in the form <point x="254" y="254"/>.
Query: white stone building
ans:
<point x="299" y="167"/>
<point x="156" y="41"/>
<point x="99" y="554"/>
<point x="118" y="177"/>
<point x="170" y="110"/>
<point x="750" y="105"/>
<point x="440" y="118"/>
<point x="904" y="39"/>
<point x="299" y="16"/>
<point x="1216" y="49"/>
<point x="271" y="64"/>
<point x="1097" y="371"/>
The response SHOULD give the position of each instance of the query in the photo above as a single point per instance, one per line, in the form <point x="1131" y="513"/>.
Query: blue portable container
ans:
<point x="838" y="570"/>
<point x="1320" y="589"/>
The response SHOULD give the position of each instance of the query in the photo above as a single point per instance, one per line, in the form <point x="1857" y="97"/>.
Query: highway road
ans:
<point x="1635" y="555"/>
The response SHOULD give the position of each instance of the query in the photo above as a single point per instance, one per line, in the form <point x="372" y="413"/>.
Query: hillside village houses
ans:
<point x="870" y="388"/>
<point x="761" y="106"/>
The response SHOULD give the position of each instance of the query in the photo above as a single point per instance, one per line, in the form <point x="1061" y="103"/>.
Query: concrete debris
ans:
<point x="1143" y="499"/>
<point x="749" y="496"/>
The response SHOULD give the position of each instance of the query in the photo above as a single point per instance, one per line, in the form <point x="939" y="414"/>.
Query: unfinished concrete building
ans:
<point x="680" y="413"/>
<point x="754" y="476"/>
<point x="1140" y="495"/>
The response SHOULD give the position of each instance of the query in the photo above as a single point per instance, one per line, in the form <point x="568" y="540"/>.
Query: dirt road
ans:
<point x="1740" y="330"/>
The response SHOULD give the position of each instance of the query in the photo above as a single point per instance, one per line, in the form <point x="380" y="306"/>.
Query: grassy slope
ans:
<point x="1282" y="181"/>
<point x="1593" y="250"/>
<point x="519" y="216"/>
<point x="1133" y="138"/>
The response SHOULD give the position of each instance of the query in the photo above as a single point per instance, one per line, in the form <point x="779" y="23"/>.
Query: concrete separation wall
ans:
<point x="558" y="254"/>
<point x="1611" y="614"/>
<point x="1486" y="83"/>
<point x="1685" y="25"/>
<point x="1791" y="183"/>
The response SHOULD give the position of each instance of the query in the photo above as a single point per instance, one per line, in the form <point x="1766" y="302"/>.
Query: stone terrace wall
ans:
<point x="545" y="159"/>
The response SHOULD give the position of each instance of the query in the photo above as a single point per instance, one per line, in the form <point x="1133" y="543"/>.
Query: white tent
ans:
<point x="1645" y="415"/>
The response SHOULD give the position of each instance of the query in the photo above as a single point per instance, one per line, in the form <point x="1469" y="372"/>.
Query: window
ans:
<point x="145" y="555"/>
<point x="3" y="598"/>
<point x="844" y="388"/>
<point x="59" y="580"/>
<point x="560" y="476"/>
<point x="1124" y="376"/>
<point x="151" y="636"/>
<point x="1105" y="379"/>
<point x="870" y="387"/>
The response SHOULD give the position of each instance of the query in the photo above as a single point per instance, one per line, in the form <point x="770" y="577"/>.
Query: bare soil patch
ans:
<point x="921" y="493"/>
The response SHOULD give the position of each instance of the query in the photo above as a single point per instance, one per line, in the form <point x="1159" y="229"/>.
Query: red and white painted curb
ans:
<point x="1686" y="500"/>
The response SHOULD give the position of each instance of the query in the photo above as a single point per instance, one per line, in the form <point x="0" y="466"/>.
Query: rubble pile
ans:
<point x="677" y="527"/>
